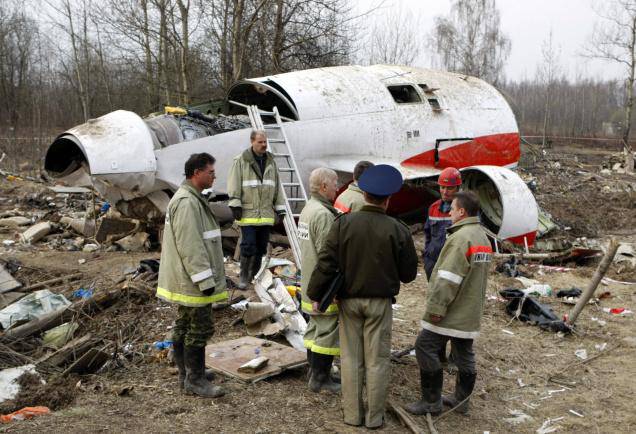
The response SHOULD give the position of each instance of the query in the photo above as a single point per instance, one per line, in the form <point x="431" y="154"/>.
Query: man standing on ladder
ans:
<point x="256" y="200"/>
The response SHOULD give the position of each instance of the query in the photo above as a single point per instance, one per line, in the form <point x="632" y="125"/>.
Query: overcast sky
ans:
<point x="528" y="23"/>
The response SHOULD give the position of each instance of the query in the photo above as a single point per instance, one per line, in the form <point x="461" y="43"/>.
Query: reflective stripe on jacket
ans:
<point x="260" y="197"/>
<point x="314" y="223"/>
<point x="191" y="252"/>
<point x="350" y="200"/>
<point x="435" y="234"/>
<point x="458" y="284"/>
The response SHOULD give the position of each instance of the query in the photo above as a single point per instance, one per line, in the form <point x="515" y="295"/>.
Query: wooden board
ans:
<point x="7" y="282"/>
<point x="227" y="356"/>
<point x="10" y="297"/>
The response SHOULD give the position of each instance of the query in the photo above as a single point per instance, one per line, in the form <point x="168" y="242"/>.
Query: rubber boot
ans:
<point x="431" y="383"/>
<point x="244" y="279"/>
<point x="310" y="359"/>
<point x="195" y="382"/>
<point x="177" y="355"/>
<point x="321" y="374"/>
<point x="464" y="385"/>
<point x="255" y="265"/>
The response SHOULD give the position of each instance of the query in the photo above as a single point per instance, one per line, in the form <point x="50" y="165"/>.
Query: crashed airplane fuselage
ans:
<point x="417" y="120"/>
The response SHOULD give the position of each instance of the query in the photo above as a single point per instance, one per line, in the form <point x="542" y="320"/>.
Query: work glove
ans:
<point x="237" y="212"/>
<point x="280" y="215"/>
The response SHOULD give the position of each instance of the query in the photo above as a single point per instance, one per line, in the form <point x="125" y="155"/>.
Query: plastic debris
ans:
<point x="576" y="413"/>
<point x="105" y="207"/>
<point x="32" y="306"/>
<point x="617" y="311"/>
<point x="546" y="428"/>
<point x="162" y="345"/>
<point x="599" y="321"/>
<point x="572" y="292"/>
<point x="600" y="347"/>
<point x="82" y="293"/>
<point x="25" y="413"/>
<point x="539" y="289"/>
<point x="36" y="232"/>
<point x="581" y="353"/>
<point x="60" y="335"/>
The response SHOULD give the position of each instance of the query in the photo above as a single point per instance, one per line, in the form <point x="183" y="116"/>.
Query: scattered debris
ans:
<point x="526" y="308"/>
<point x="33" y="306"/>
<point x="617" y="311"/>
<point x="58" y="336"/>
<point x="518" y="417"/>
<point x="9" y="386"/>
<point x="36" y="232"/>
<point x="253" y="365"/>
<point x="546" y="426"/>
<point x="7" y="282"/>
<point x="25" y="413"/>
<point x="581" y="354"/>
<point x="138" y="242"/>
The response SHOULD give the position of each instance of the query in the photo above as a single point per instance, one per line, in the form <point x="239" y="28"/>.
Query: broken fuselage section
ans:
<point x="417" y="120"/>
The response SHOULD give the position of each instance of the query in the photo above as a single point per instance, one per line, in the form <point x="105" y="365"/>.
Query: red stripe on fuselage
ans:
<point x="495" y="149"/>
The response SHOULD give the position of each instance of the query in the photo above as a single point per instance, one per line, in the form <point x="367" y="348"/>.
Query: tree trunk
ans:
<point x="184" y="9"/>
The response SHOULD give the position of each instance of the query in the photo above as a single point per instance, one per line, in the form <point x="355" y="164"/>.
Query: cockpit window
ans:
<point x="404" y="94"/>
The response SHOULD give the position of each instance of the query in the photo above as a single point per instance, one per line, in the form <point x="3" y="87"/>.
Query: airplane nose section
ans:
<point x="508" y="207"/>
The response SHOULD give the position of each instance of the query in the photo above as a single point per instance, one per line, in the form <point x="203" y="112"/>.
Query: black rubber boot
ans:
<point x="320" y="378"/>
<point x="178" y="357"/>
<point x="244" y="276"/>
<point x="464" y="385"/>
<point x="310" y="357"/>
<point x="195" y="382"/>
<point x="255" y="265"/>
<point x="431" y="383"/>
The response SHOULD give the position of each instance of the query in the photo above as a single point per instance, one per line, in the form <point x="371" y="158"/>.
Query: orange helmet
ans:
<point x="450" y="177"/>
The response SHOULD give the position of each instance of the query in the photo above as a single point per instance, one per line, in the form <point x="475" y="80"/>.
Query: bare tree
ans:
<point x="614" y="40"/>
<point x="547" y="73"/>
<point x="394" y="38"/>
<point x="470" y="40"/>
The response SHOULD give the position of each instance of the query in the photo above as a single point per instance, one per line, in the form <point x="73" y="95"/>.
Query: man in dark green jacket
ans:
<point x="191" y="273"/>
<point x="454" y="306"/>
<point x="375" y="252"/>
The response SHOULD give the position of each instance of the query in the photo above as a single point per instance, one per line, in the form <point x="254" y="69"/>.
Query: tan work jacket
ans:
<point x="191" y="253"/>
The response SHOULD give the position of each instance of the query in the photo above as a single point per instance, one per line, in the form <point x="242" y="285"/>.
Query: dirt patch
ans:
<point x="56" y="394"/>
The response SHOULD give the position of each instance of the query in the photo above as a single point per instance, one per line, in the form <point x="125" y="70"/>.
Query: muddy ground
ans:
<point x="520" y="367"/>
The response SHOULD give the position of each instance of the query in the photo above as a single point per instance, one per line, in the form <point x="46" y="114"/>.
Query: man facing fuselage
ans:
<point x="256" y="201"/>
<point x="438" y="219"/>
<point x="454" y="306"/>
<point x="352" y="199"/>
<point x="192" y="274"/>
<point x="375" y="252"/>
<point x="321" y="337"/>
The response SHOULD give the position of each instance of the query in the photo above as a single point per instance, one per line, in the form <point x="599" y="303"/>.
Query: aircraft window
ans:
<point x="434" y="104"/>
<point x="404" y="94"/>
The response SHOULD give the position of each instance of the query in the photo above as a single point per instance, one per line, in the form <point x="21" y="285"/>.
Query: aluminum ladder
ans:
<point x="292" y="187"/>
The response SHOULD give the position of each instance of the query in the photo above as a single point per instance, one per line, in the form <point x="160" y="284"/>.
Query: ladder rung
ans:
<point x="276" y="140"/>
<point x="290" y="184"/>
<point x="271" y="127"/>
<point x="295" y="215"/>
<point x="295" y="199"/>
<point x="282" y="155"/>
<point x="286" y="169"/>
<point x="264" y="113"/>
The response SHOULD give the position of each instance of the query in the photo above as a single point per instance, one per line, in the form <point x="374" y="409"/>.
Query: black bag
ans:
<point x="334" y="288"/>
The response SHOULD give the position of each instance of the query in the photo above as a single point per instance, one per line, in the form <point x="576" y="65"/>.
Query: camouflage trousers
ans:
<point x="193" y="326"/>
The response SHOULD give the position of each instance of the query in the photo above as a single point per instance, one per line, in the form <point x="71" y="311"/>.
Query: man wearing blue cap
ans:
<point x="375" y="252"/>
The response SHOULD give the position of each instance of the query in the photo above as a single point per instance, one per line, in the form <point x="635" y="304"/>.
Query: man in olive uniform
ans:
<point x="191" y="273"/>
<point x="454" y="305"/>
<point x="352" y="199"/>
<point x="375" y="252"/>
<point x="255" y="199"/>
<point x="321" y="337"/>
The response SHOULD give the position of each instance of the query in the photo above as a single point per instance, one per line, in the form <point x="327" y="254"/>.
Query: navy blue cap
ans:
<point x="381" y="180"/>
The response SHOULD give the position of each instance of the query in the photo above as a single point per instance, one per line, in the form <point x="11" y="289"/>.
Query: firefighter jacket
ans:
<point x="435" y="234"/>
<point x="191" y="271"/>
<point x="458" y="284"/>
<point x="350" y="200"/>
<point x="259" y="195"/>
<point x="373" y="250"/>
<point x="313" y="226"/>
